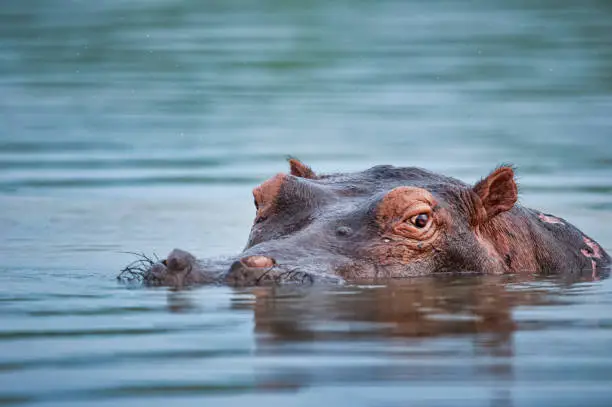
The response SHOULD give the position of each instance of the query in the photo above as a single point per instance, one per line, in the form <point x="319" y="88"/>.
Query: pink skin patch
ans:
<point x="595" y="253"/>
<point x="549" y="219"/>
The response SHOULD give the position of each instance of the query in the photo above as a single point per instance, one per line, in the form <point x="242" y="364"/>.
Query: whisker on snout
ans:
<point x="265" y="275"/>
<point x="294" y="275"/>
<point x="137" y="270"/>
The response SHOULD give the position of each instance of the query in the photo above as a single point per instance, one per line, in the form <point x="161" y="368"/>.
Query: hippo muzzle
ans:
<point x="180" y="269"/>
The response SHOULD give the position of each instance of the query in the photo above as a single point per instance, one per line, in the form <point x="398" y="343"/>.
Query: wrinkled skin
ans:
<point x="388" y="222"/>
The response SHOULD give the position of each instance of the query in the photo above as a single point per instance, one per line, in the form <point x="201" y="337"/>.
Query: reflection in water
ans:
<point x="414" y="308"/>
<point x="411" y="308"/>
<point x="427" y="331"/>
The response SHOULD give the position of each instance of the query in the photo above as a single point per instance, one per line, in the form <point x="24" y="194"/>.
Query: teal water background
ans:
<point x="144" y="125"/>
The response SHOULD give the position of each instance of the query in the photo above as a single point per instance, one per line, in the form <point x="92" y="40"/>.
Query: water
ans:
<point x="143" y="126"/>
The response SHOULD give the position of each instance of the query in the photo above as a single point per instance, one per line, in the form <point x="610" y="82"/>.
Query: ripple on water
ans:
<point x="144" y="125"/>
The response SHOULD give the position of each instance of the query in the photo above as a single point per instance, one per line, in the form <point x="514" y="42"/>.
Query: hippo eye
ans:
<point x="255" y="202"/>
<point x="420" y="220"/>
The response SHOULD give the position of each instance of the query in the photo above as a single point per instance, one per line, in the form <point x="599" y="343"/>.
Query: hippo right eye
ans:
<point x="256" y="204"/>
<point x="420" y="220"/>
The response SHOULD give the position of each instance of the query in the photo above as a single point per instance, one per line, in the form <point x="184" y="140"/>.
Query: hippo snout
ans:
<point x="259" y="270"/>
<point x="180" y="269"/>
<point x="179" y="260"/>
<point x="174" y="270"/>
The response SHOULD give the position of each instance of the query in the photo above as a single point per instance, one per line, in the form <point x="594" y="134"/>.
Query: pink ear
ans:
<point x="301" y="170"/>
<point x="498" y="192"/>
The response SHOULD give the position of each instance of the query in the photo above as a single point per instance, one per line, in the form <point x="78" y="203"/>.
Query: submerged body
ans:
<point x="388" y="222"/>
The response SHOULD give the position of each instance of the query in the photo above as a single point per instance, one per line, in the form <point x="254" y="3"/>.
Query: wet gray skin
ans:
<point x="385" y="222"/>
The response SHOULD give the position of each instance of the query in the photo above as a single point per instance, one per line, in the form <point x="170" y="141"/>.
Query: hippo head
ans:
<point x="387" y="222"/>
<point x="384" y="222"/>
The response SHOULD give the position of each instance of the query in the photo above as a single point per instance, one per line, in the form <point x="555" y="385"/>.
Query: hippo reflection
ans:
<point x="387" y="222"/>
<point x="410" y="308"/>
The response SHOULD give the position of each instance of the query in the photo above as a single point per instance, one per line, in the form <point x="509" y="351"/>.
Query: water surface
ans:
<point x="143" y="126"/>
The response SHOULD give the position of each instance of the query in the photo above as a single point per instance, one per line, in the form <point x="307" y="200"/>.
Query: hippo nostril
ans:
<point x="261" y="262"/>
<point x="343" y="231"/>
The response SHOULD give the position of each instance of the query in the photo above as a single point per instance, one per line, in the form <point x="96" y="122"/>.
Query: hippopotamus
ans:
<point x="382" y="223"/>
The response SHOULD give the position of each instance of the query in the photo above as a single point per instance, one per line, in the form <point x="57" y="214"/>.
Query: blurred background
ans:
<point x="144" y="125"/>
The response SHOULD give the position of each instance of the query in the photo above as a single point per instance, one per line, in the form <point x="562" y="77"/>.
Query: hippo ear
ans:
<point x="497" y="192"/>
<point x="300" y="169"/>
